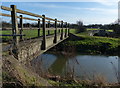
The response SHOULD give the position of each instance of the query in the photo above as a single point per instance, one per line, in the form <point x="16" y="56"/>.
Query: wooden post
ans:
<point x="14" y="31"/>
<point x="14" y="24"/>
<point x="59" y="27"/>
<point x="44" y="33"/>
<point x="21" y="27"/>
<point x="48" y="27"/>
<point x="61" y="30"/>
<point x="66" y="30"/>
<point x="55" y="38"/>
<point x="38" y="27"/>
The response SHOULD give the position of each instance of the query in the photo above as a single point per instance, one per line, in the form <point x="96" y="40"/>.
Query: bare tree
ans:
<point x="81" y="27"/>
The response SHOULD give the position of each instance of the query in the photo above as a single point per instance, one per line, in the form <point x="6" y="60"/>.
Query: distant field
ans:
<point x="88" y="29"/>
<point x="109" y="30"/>
<point x="31" y="33"/>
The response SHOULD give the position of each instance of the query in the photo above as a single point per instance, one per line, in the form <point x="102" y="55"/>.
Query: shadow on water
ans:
<point x="84" y="65"/>
<point x="58" y="66"/>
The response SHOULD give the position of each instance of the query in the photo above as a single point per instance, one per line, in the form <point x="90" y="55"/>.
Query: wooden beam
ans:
<point x="14" y="24"/>
<point x="44" y="33"/>
<point x="38" y="27"/>
<point x="14" y="31"/>
<point x="21" y="26"/>
<point x="55" y="38"/>
<point x="6" y="8"/>
<point x="61" y="31"/>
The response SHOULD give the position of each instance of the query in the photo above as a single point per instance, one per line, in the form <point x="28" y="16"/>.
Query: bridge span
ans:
<point x="26" y="49"/>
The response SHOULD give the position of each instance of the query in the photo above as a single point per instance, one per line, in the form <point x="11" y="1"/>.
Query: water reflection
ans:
<point x="118" y="69"/>
<point x="84" y="65"/>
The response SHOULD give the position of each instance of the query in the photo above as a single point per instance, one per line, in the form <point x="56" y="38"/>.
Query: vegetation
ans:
<point x="94" y="45"/>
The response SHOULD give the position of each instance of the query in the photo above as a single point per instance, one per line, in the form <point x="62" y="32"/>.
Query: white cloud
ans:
<point x="108" y="10"/>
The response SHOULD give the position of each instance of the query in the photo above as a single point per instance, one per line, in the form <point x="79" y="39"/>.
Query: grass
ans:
<point x="89" y="29"/>
<point x="31" y="33"/>
<point x="109" y="30"/>
<point x="93" y="44"/>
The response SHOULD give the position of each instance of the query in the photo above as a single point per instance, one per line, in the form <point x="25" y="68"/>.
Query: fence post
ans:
<point x="44" y="33"/>
<point x="59" y="27"/>
<point x="38" y="27"/>
<point x="21" y="27"/>
<point x="66" y="30"/>
<point x="61" y="30"/>
<point x="48" y="27"/>
<point x="14" y="31"/>
<point x="55" y="38"/>
<point x="14" y="24"/>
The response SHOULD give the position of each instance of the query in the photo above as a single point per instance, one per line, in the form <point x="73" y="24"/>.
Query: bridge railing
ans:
<point x="43" y="22"/>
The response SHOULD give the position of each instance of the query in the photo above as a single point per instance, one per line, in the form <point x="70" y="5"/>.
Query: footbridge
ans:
<point x="50" y="32"/>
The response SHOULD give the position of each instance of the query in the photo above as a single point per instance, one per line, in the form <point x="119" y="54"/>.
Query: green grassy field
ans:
<point x="89" y="29"/>
<point x="93" y="44"/>
<point x="31" y="33"/>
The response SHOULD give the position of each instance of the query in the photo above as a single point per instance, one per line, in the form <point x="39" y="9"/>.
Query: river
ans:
<point x="82" y="66"/>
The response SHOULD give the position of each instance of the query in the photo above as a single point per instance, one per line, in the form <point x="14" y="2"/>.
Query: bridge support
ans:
<point x="21" y="26"/>
<point x="38" y="27"/>
<point x="61" y="30"/>
<point x="15" y="31"/>
<point x="66" y="30"/>
<point x="44" y="33"/>
<point x="55" y="38"/>
<point x="48" y="27"/>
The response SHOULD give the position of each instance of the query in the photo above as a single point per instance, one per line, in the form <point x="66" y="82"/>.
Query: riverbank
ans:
<point x="17" y="74"/>
<point x="91" y="45"/>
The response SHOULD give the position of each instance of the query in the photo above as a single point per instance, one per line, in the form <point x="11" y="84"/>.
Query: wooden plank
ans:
<point x="59" y="21"/>
<point x="2" y="14"/>
<point x="6" y="8"/>
<point x="28" y="13"/>
<point x="49" y="18"/>
<point x="30" y="19"/>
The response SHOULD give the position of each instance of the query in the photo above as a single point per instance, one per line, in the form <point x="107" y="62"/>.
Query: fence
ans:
<point x="18" y="33"/>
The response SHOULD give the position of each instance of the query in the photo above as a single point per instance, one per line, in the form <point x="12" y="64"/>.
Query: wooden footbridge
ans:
<point x="25" y="50"/>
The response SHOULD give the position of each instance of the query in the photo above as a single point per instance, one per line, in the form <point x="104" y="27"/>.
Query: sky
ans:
<point x="97" y="12"/>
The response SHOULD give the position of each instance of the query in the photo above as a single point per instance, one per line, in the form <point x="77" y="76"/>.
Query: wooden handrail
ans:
<point x="27" y="13"/>
<point x="6" y="8"/>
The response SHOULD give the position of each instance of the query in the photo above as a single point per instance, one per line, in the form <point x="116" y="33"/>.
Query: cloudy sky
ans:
<point x="92" y="12"/>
